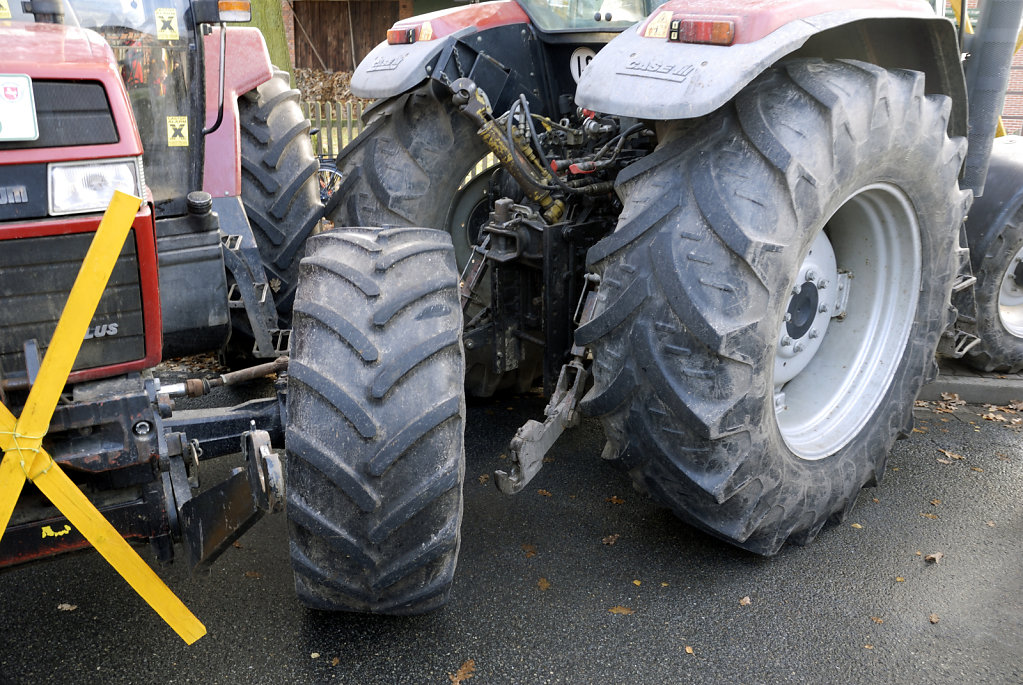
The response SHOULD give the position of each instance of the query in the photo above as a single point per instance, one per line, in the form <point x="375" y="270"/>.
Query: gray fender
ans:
<point x="392" y="69"/>
<point x="650" y="78"/>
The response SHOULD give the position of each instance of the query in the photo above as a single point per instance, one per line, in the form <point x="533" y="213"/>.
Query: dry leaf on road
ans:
<point x="67" y="607"/>
<point x="610" y="539"/>
<point x="625" y="611"/>
<point x="637" y="583"/>
<point x="935" y="502"/>
<point x="856" y="525"/>
<point x="484" y="478"/>
<point x="934" y="618"/>
<point x="745" y="601"/>
<point x="877" y="619"/>
<point x="530" y="551"/>
<point x="950" y="455"/>
<point x="929" y="516"/>
<point x="543" y="584"/>
<point x="545" y="493"/>
<point x="615" y="499"/>
<point x="465" y="671"/>
<point x="689" y="650"/>
<point x="936" y="557"/>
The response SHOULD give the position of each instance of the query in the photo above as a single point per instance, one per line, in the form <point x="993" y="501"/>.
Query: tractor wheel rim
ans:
<point x="1010" y="296"/>
<point x="827" y="392"/>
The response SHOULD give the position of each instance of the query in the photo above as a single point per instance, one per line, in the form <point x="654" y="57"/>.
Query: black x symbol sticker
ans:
<point x="177" y="130"/>
<point x="167" y="24"/>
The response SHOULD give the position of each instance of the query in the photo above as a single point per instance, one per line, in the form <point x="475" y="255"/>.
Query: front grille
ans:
<point x="36" y="275"/>
<point x="69" y="113"/>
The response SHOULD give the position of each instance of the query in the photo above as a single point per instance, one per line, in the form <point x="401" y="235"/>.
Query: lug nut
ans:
<point x="796" y="289"/>
<point x="823" y="308"/>
<point x="813" y="333"/>
<point x="811" y="276"/>
<point x="142" y="428"/>
<point x="822" y="285"/>
<point x="786" y="341"/>
<point x="788" y="317"/>
<point x="798" y="348"/>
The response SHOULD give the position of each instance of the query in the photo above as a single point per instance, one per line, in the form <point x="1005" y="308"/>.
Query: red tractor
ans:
<point x="743" y="220"/>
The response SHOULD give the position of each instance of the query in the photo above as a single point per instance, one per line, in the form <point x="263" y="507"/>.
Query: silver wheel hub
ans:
<point x="1010" y="296"/>
<point x="840" y="345"/>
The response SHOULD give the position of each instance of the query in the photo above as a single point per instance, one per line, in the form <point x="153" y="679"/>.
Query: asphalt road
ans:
<point x="856" y="606"/>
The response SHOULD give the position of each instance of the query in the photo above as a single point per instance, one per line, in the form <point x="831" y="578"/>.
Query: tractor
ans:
<point x="732" y="231"/>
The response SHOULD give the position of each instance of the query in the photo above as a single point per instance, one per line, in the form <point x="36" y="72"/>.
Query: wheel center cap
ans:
<point x="802" y="310"/>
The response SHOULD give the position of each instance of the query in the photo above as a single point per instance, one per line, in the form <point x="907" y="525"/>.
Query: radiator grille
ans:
<point x="36" y="275"/>
<point x="69" y="113"/>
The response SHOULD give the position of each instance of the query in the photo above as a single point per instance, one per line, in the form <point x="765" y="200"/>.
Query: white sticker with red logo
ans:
<point x="17" y="108"/>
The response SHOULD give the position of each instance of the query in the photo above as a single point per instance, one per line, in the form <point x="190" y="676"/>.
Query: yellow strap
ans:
<point x="21" y="439"/>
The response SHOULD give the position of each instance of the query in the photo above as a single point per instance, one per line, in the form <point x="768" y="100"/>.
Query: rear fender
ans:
<point x="652" y="78"/>
<point x="492" y="43"/>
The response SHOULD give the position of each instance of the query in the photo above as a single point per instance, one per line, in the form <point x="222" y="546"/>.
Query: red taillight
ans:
<point x="682" y="30"/>
<point x="405" y="35"/>
<point x="710" y="32"/>
<point x="401" y="36"/>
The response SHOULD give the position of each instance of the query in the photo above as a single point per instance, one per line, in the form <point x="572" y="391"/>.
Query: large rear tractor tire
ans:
<point x="376" y="413"/>
<point x="407" y="168"/>
<point x="995" y="232"/>
<point x="280" y="188"/>
<point x="726" y="383"/>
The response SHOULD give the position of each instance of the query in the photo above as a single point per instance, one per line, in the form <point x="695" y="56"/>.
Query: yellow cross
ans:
<point x="21" y="438"/>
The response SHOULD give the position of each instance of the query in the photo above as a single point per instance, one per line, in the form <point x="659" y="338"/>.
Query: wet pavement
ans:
<point x="537" y="582"/>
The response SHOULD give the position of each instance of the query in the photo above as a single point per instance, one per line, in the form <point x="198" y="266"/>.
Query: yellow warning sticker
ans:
<point x="166" y="23"/>
<point x="5" y="9"/>
<point x="426" y="31"/>
<point x="658" y="26"/>
<point x="177" y="131"/>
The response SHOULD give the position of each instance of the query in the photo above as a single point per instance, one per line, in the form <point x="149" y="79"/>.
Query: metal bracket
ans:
<point x="534" y="439"/>
<point x="252" y="292"/>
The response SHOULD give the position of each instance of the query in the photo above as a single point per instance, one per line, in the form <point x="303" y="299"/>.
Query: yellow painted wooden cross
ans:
<point x="21" y="438"/>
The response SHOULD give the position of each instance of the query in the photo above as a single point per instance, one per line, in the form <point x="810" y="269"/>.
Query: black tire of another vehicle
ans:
<point x="376" y="414"/>
<point x="718" y="271"/>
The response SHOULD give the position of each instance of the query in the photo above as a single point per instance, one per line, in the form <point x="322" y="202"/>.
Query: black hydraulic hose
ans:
<point x="515" y="154"/>
<point x="524" y="106"/>
<point x="220" y="90"/>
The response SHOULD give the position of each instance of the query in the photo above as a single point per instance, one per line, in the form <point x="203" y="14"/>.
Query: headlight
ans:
<point x="78" y="187"/>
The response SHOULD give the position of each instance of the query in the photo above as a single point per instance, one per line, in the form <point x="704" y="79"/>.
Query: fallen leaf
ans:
<point x="868" y="646"/>
<point x="484" y="478"/>
<point x="253" y="574"/>
<point x="918" y="553"/>
<point x="745" y="601"/>
<point x="950" y="455"/>
<point x="689" y="650"/>
<point x="876" y="619"/>
<point x="935" y="502"/>
<point x="944" y="461"/>
<point x="335" y="661"/>
<point x="615" y="499"/>
<point x="548" y="460"/>
<point x="315" y="655"/>
<point x="929" y="516"/>
<point x="610" y="539"/>
<point x="934" y="618"/>
<point x="637" y="583"/>
<point x="67" y="607"/>
<point x="617" y="609"/>
<point x="465" y="671"/>
<point x="900" y="579"/>
<point x="236" y="544"/>
<point x="876" y="500"/>
<point x="856" y="525"/>
<point x="502" y="456"/>
<point x="545" y="493"/>
<point x="977" y="469"/>
<point x="664" y="585"/>
<point x="936" y="557"/>
<point x="990" y="524"/>
<point x="530" y="551"/>
<point x="543" y="584"/>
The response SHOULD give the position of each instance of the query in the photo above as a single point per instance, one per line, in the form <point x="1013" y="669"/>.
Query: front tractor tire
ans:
<point x="407" y="168"/>
<point x="726" y="383"/>
<point x="376" y="412"/>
